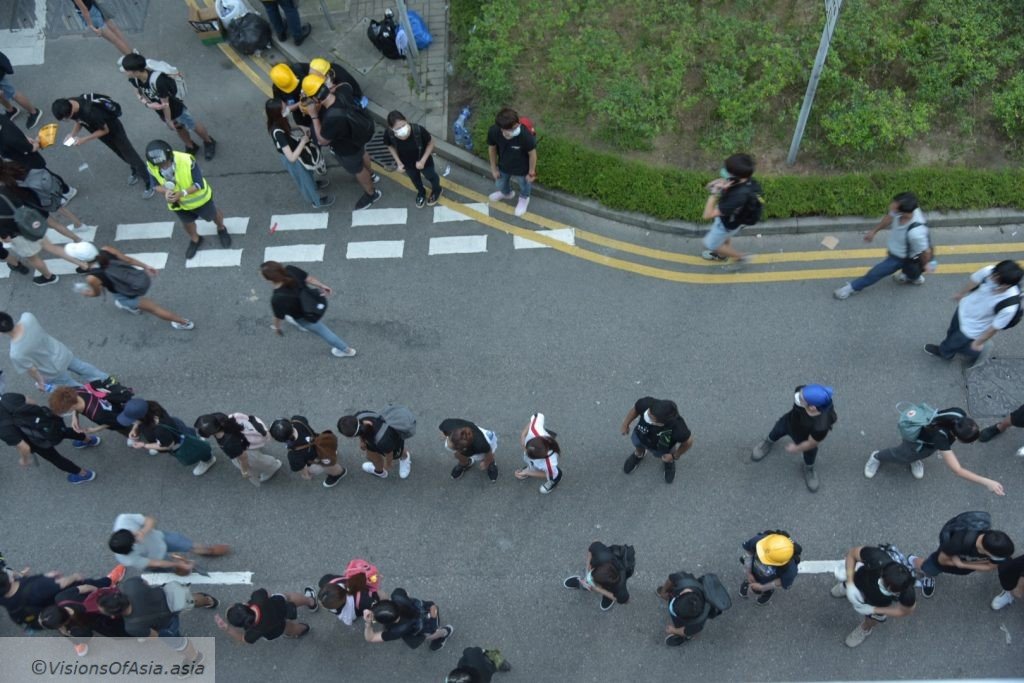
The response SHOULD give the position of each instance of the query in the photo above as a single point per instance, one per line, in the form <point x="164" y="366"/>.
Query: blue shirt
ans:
<point x="766" y="573"/>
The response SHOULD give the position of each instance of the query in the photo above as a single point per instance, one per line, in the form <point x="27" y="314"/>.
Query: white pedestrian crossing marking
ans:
<point x="462" y="244"/>
<point x="5" y="271"/>
<point x="153" y="259"/>
<point x="565" y="235"/>
<point x="820" y="566"/>
<point x="88" y="235"/>
<point x="236" y="225"/>
<point x="215" y="258"/>
<point x="376" y="249"/>
<point x="307" y="253"/>
<point x="379" y="217"/>
<point x="208" y="578"/>
<point x="59" y="266"/>
<point x="144" y="231"/>
<point x="299" y="221"/>
<point x="25" y="46"/>
<point x="442" y="214"/>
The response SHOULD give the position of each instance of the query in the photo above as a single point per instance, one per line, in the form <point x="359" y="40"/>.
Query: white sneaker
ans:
<point x="843" y="292"/>
<point x="203" y="465"/>
<point x="368" y="468"/>
<point x="187" y="325"/>
<point x="347" y="353"/>
<point x="917" y="469"/>
<point x="1002" y="600"/>
<point x="405" y="466"/>
<point x="838" y="590"/>
<point x="857" y="636"/>
<point x="289" y="319"/>
<point x="521" y="205"/>
<point x="498" y="196"/>
<point x="1020" y="452"/>
<point x="871" y="466"/>
<point x="153" y="451"/>
<point x="131" y="309"/>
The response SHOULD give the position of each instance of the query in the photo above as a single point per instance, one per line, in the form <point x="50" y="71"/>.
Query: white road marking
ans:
<point x="376" y="249"/>
<point x="5" y="271"/>
<point x="88" y="234"/>
<point x="144" y="231"/>
<point x="27" y="46"/>
<point x="379" y="217"/>
<point x="442" y="214"/>
<point x="820" y="566"/>
<point x="215" y="258"/>
<point x="59" y="266"/>
<point x="153" y="259"/>
<point x="566" y="235"/>
<point x="299" y="221"/>
<point x="209" y="578"/>
<point x="465" y="244"/>
<point x="297" y="252"/>
<point x="236" y="225"/>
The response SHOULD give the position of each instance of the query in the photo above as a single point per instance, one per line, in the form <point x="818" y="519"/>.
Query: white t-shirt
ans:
<point x="919" y="241"/>
<point x="977" y="310"/>
<point x="548" y="465"/>
<point x="35" y="348"/>
<point x="152" y="547"/>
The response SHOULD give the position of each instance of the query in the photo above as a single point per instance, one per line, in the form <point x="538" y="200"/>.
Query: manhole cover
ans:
<point x="995" y="388"/>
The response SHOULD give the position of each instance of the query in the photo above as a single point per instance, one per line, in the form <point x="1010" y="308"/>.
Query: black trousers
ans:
<point x="1011" y="572"/>
<point x="118" y="142"/>
<point x="781" y="429"/>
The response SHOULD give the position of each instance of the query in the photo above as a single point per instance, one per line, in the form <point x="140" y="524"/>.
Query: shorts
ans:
<point x="24" y="247"/>
<point x="95" y="15"/>
<point x="171" y="637"/>
<point x="185" y="120"/>
<point x="718" y="234"/>
<point x="7" y="89"/>
<point x="931" y="567"/>
<point x="353" y="163"/>
<point x="1017" y="417"/>
<point x="208" y="212"/>
<point x="636" y="442"/>
<point x="127" y="301"/>
<point x="492" y="441"/>
<point x="290" y="611"/>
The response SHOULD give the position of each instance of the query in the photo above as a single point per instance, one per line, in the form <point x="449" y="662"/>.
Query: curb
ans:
<point x="783" y="226"/>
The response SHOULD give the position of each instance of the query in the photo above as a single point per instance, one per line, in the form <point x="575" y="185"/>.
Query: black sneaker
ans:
<point x="675" y="641"/>
<point x="225" y="238"/>
<point x="631" y="462"/>
<point x="606" y="603"/>
<point x="326" y="202"/>
<point x="375" y="177"/>
<point x="210" y="149"/>
<point x="421" y="199"/>
<point x="367" y="200"/>
<point x="927" y="586"/>
<point x="193" y="150"/>
<point x="933" y="350"/>
<point x="458" y="471"/>
<point x="572" y="582"/>
<point x="43" y="281"/>
<point x="193" y="247"/>
<point x="331" y="480"/>
<point x="436" y="645"/>
<point x="492" y="472"/>
<point x="670" y="472"/>
<point x="745" y="589"/>
<point x="306" y="30"/>
<point x="505" y="667"/>
<point x="987" y="434"/>
<point x="764" y="598"/>
<point x="33" y="119"/>
<point x="282" y="36"/>
<point x="132" y="179"/>
<point x="20" y="268"/>
<point x="310" y="593"/>
<point x="434" y="196"/>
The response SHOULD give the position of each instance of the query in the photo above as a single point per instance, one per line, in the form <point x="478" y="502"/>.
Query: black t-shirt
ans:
<point x="801" y="424"/>
<point x="301" y="452"/>
<point x="157" y="89"/>
<point x="514" y="154"/>
<point x="99" y="410"/>
<point x="84" y="624"/>
<point x="285" y="300"/>
<point x="602" y="554"/>
<point x="410" y="616"/>
<point x="731" y="201"/>
<point x="479" y="444"/>
<point x="283" y="140"/>
<point x="410" y="150"/>
<point x="868" y="575"/>
<point x="273" y="615"/>
<point x="93" y="117"/>
<point x="166" y="432"/>
<point x="33" y="594"/>
<point x="963" y="544"/>
<point x="390" y="442"/>
<point x="658" y="437"/>
<point x="334" y="126"/>
<point x="939" y="434"/>
<point x="16" y="147"/>
<point x="474" y="659"/>
<point x="232" y="444"/>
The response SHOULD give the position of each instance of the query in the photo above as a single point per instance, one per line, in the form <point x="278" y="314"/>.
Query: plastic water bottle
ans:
<point x="462" y="136"/>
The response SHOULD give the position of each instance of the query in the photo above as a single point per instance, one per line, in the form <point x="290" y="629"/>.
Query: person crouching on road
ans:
<point x="382" y="448"/>
<point x="414" y="621"/>
<point x="154" y="429"/>
<point x="241" y="437"/>
<point x="880" y="587"/>
<point x="608" y="569"/>
<point x="309" y="452"/>
<point x="540" y="454"/>
<point x="807" y="423"/>
<point x="770" y="563"/>
<point x="268" y="616"/>
<point x="470" y="445"/>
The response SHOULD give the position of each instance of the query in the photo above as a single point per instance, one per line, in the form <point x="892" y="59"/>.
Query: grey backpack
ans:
<point x="127" y="280"/>
<point x="31" y="223"/>
<point x="398" y="418"/>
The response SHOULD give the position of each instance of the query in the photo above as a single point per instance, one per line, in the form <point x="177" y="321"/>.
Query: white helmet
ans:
<point x="83" y="251"/>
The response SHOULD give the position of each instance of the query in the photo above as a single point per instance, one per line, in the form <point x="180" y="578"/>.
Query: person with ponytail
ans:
<point x="540" y="454"/>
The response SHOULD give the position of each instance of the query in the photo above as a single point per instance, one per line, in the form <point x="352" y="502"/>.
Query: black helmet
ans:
<point x="158" y="151"/>
<point x="282" y="430"/>
<point x="385" y="612"/>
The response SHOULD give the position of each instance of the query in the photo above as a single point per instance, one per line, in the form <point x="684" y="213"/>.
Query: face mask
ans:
<point x="168" y="172"/>
<point x="509" y="134"/>
<point x="590" y="578"/>
<point x="884" y="590"/>
<point x="403" y="132"/>
<point x="650" y="418"/>
<point x="799" y="400"/>
<point x="725" y="174"/>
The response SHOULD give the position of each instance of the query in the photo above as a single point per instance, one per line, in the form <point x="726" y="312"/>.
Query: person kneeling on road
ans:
<point x="309" y="452"/>
<point x="470" y="445"/>
<point x="414" y="621"/>
<point x="880" y="587"/>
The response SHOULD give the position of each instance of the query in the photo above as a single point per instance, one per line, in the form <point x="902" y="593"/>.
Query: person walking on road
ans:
<point x="26" y="250"/>
<point x="414" y="621"/>
<point x="138" y="544"/>
<point x="268" y="616"/>
<point x="807" y="423"/>
<point x="878" y="586"/>
<point x="734" y="201"/>
<point x="470" y="445"/>
<point x="924" y="431"/>
<point x="180" y="180"/>
<point x="967" y="544"/>
<point x="99" y="405"/>
<point x="412" y="148"/>
<point x="1011" y="579"/>
<point x="477" y="665"/>
<point x="690" y="603"/>
<point x="92" y="18"/>
<point x="128" y="279"/>
<point x="309" y="453"/>
<point x="242" y="438"/>
<point x="512" y="152"/>
<point x="100" y="118"/>
<point x="35" y="429"/>
<point x="75" y="613"/>
<point x="770" y="563"/>
<point x="350" y="594"/>
<point x="990" y="302"/>
<point x="659" y="430"/>
<point x="608" y="570"/>
<point x="24" y="151"/>
<point x="10" y="94"/>
<point x="1014" y="419"/>
<point x="159" y="92"/>
<point x="339" y="122"/>
<point x="301" y="299"/>
<point x="291" y="22"/>
<point x="25" y="596"/>
<point x="909" y="249"/>
<point x="48" y="361"/>
<point x="299" y="157"/>
<point x="153" y="429"/>
<point x="382" y="442"/>
<point x="540" y="454"/>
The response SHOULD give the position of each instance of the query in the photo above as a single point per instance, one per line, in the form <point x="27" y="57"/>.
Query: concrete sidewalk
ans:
<point x="388" y="83"/>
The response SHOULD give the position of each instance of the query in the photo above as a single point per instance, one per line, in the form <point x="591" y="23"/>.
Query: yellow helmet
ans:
<point x="320" y="66"/>
<point x="312" y="84"/>
<point x="283" y="77"/>
<point x="775" y="549"/>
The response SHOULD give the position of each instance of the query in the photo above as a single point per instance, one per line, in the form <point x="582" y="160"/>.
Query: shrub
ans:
<point x="1008" y="108"/>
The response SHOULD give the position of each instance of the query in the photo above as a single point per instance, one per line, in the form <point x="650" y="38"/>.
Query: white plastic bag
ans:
<point x="229" y="10"/>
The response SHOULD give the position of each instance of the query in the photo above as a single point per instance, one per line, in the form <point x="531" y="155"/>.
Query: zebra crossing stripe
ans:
<point x="59" y="266"/>
<point x="216" y="258"/>
<point x="376" y="249"/>
<point x="144" y="231"/>
<point x="299" y="221"/>
<point x="307" y="253"/>
<point x="564" y="235"/>
<point x="153" y="259"/>
<point x="442" y="214"/>
<point x="379" y="217"/>
<point x="463" y="244"/>
<point x="236" y="225"/>
<point x="88" y="234"/>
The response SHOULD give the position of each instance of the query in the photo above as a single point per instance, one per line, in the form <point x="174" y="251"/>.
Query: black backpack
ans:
<point x="974" y="520"/>
<point x="716" y="595"/>
<point x="105" y="102"/>
<point x="39" y="425"/>
<point x="111" y="390"/>
<point x="625" y="556"/>
<point x="382" y="34"/>
<point x="313" y="303"/>
<point x="359" y="122"/>
<point x="752" y="209"/>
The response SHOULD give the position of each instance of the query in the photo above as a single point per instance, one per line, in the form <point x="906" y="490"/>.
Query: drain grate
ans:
<point x="378" y="151"/>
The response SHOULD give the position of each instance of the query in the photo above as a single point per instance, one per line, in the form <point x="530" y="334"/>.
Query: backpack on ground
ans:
<point x="365" y="567"/>
<point x="127" y="279"/>
<point x="313" y="303"/>
<point x="383" y="34"/>
<point x="1016" y="300"/>
<point x="39" y="425"/>
<point x="253" y="429"/>
<point x="109" y="389"/>
<point x="30" y="222"/>
<point x="420" y="32"/>
<point x="750" y="212"/>
<point x="798" y="549"/>
<point x="105" y="102"/>
<point x="974" y="520"/>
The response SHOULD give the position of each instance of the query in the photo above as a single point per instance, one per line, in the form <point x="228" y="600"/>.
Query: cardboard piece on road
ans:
<point x="829" y="242"/>
<point x="206" y="24"/>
